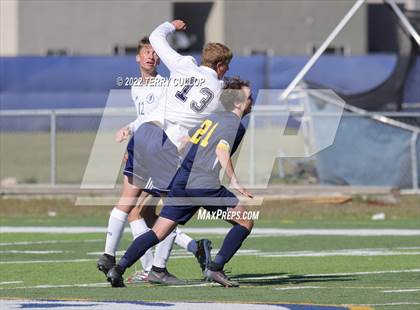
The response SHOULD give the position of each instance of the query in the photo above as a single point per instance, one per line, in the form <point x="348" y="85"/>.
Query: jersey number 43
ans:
<point x="198" y="107"/>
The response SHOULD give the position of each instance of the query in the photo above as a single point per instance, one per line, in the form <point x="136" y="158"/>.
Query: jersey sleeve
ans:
<point x="224" y="145"/>
<point x="161" y="46"/>
<point x="134" y="125"/>
<point x="225" y="137"/>
<point x="239" y="136"/>
<point x="133" y="94"/>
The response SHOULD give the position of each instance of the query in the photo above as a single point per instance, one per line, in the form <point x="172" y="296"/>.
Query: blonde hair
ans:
<point x="214" y="53"/>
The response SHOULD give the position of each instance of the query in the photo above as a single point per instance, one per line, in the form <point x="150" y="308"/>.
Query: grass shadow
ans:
<point x="264" y="279"/>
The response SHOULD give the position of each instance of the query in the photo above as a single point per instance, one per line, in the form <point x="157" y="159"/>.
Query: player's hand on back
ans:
<point x="122" y="134"/>
<point x="179" y="24"/>
<point x="240" y="188"/>
<point x="183" y="142"/>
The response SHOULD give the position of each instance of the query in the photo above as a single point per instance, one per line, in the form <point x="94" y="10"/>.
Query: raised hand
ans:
<point x="179" y="24"/>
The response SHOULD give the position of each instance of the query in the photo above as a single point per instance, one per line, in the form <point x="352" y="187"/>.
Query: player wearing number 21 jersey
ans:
<point x="210" y="148"/>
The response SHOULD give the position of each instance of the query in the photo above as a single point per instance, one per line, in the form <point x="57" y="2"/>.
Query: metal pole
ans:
<point x="53" y="146"/>
<point x="321" y="50"/>
<point x="252" y="149"/>
<point x="404" y="20"/>
<point x="414" y="167"/>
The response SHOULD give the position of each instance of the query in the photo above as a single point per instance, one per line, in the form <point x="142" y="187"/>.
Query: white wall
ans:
<point x="8" y="28"/>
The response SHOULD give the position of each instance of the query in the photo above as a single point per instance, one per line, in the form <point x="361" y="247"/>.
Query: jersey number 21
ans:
<point x="207" y="128"/>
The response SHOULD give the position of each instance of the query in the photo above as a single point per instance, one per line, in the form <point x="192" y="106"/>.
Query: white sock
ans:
<point x="163" y="250"/>
<point x="115" y="230"/>
<point x="182" y="239"/>
<point x="139" y="227"/>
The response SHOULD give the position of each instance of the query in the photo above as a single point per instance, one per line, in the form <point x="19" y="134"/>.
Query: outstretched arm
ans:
<point x="161" y="46"/>
<point x="223" y="155"/>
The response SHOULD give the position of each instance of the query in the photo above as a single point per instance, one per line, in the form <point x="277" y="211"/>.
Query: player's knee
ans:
<point x="132" y="216"/>
<point x="148" y="213"/>
<point x="161" y="232"/>
<point x="248" y="224"/>
<point x="160" y="235"/>
<point x="124" y="208"/>
<point x="163" y="227"/>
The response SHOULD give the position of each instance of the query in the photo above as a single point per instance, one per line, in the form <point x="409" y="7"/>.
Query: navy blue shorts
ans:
<point x="154" y="157"/>
<point x="138" y="174"/>
<point x="188" y="201"/>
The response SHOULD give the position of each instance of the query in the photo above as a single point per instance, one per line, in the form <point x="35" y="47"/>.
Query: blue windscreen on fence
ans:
<point x="347" y="75"/>
<point x="364" y="151"/>
<point x="82" y="81"/>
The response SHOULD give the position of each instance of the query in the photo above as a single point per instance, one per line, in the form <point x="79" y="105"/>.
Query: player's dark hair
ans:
<point x="144" y="41"/>
<point x="233" y="92"/>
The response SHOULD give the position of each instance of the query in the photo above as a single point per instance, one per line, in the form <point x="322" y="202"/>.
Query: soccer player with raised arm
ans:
<point x="197" y="184"/>
<point x="147" y="94"/>
<point x="192" y="94"/>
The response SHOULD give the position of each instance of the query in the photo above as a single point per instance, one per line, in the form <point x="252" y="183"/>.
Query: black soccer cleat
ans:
<point x="164" y="277"/>
<point x="203" y="254"/>
<point x="215" y="274"/>
<point x="114" y="276"/>
<point x="105" y="263"/>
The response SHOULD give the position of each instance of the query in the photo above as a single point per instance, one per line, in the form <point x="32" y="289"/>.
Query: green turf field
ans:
<point x="383" y="271"/>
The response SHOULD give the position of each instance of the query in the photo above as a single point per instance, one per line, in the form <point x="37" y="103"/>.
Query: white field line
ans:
<point x="10" y="282"/>
<point x="318" y="253"/>
<point x="105" y="284"/>
<point x="299" y="288"/>
<point x="248" y="252"/>
<point x="182" y="252"/>
<point x="221" y="231"/>
<point x="391" y="304"/>
<point x="339" y="253"/>
<point x="101" y="284"/>
<point x="52" y="261"/>
<point x="361" y="273"/>
<point x="135" y="305"/>
<point x="403" y="290"/>
<point x="50" y="242"/>
<point x="196" y="285"/>
<point x="31" y="252"/>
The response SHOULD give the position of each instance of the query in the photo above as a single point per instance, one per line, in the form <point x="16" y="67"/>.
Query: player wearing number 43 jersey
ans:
<point x="197" y="184"/>
<point x="154" y="155"/>
<point x="191" y="95"/>
<point x="193" y="91"/>
<point x="146" y="96"/>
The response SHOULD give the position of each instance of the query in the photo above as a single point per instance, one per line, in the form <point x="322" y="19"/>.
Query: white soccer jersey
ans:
<point x="146" y="98"/>
<point x="193" y="91"/>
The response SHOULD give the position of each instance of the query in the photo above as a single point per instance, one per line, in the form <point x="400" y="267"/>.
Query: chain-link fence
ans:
<point x="291" y="144"/>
